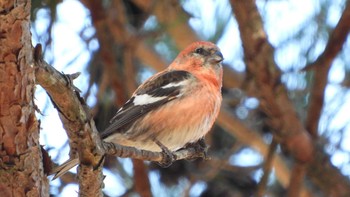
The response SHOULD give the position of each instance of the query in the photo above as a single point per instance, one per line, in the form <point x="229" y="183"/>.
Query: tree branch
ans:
<point x="84" y="140"/>
<point x="321" y="68"/>
<point x="131" y="152"/>
<point x="271" y="92"/>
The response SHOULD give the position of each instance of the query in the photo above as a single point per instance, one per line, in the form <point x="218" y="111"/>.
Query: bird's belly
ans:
<point x="189" y="132"/>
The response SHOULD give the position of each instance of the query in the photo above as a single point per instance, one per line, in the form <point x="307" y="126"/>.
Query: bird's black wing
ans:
<point x="152" y="94"/>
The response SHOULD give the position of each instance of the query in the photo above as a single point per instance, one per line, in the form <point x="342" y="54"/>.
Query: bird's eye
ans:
<point x="200" y="51"/>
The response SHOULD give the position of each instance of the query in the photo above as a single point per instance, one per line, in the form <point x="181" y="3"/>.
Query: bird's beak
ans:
<point x="216" y="57"/>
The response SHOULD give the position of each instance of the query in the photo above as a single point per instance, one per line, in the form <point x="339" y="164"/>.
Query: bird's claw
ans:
<point x="168" y="156"/>
<point x="168" y="159"/>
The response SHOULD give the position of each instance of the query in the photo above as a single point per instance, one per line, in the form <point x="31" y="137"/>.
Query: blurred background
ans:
<point x="117" y="44"/>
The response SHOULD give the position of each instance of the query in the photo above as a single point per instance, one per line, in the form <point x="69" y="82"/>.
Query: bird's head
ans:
<point x="203" y="53"/>
<point x="201" y="58"/>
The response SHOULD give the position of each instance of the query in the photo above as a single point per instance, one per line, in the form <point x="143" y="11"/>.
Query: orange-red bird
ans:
<point x="174" y="107"/>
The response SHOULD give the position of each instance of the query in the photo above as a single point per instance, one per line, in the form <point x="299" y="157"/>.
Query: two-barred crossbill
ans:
<point x="174" y="107"/>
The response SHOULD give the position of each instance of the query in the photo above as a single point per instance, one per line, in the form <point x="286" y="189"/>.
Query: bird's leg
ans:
<point x="201" y="147"/>
<point x="168" y="157"/>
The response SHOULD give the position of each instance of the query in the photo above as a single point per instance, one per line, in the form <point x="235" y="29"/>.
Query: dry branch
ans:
<point x="84" y="140"/>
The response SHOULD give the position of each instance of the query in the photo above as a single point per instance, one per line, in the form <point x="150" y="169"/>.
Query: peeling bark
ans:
<point x="21" y="168"/>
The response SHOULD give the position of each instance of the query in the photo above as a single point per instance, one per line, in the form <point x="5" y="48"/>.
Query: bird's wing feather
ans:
<point x="155" y="92"/>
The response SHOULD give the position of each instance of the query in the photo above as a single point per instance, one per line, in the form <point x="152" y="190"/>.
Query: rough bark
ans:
<point x="21" y="171"/>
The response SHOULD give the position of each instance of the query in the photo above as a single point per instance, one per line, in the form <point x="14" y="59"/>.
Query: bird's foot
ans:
<point x="168" y="156"/>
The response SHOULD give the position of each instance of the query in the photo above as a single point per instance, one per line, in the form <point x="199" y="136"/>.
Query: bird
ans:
<point x="173" y="108"/>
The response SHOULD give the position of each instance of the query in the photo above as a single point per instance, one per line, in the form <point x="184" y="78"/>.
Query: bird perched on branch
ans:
<point x="172" y="108"/>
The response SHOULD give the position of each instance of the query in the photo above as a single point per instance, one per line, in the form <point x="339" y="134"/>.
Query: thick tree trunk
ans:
<point x="21" y="167"/>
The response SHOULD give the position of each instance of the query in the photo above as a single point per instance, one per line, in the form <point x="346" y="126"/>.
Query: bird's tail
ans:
<point x="63" y="168"/>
